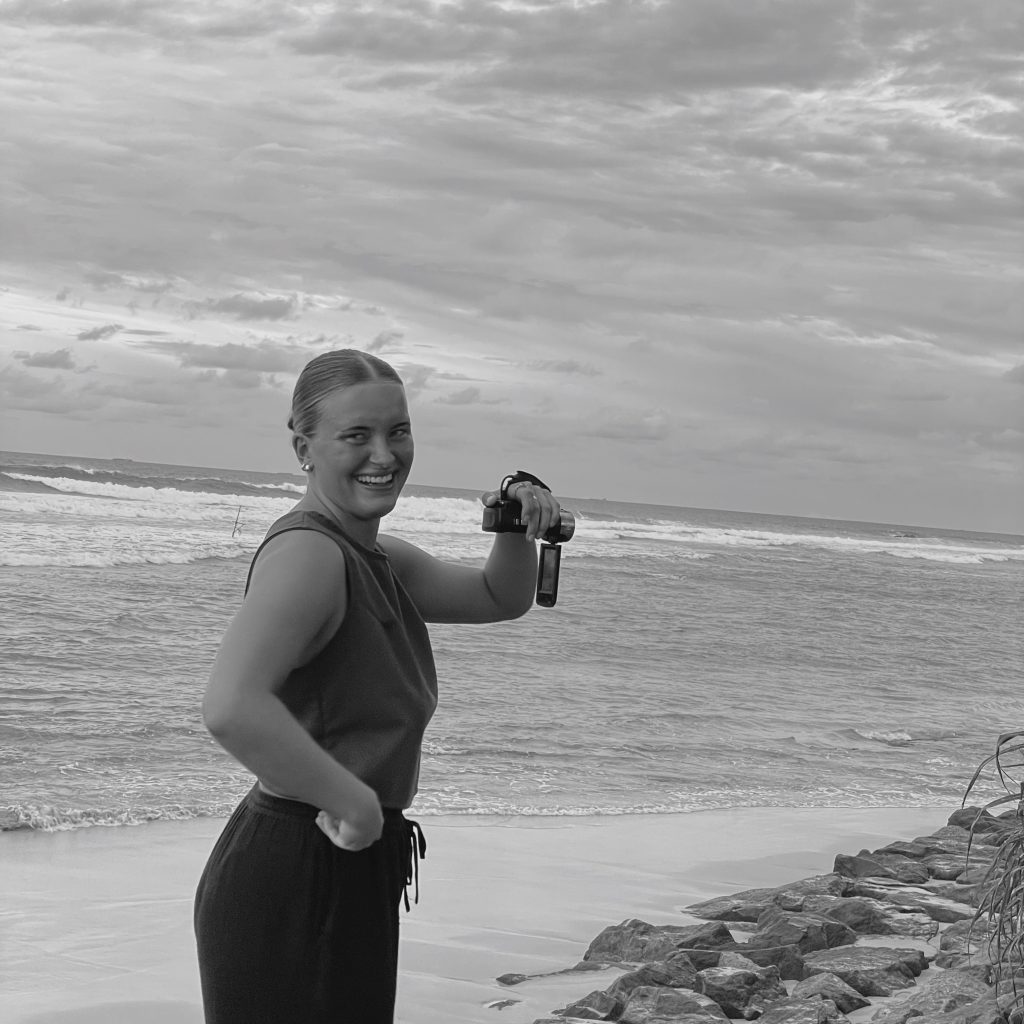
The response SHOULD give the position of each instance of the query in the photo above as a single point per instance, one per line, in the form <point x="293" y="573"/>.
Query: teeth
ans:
<point x="385" y="479"/>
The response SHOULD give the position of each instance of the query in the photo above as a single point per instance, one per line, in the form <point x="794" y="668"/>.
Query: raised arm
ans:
<point x="503" y="589"/>
<point x="295" y="604"/>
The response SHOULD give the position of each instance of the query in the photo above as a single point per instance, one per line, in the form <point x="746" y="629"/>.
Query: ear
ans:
<point x="300" y="443"/>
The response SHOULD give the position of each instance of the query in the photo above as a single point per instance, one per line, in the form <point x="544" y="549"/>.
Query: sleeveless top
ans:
<point x="367" y="697"/>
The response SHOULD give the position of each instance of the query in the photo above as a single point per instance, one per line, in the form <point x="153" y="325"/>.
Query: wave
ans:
<point x="899" y="737"/>
<point x="448" y="525"/>
<point x="46" y="818"/>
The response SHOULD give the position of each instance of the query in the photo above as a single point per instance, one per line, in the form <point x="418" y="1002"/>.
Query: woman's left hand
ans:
<point x="540" y="508"/>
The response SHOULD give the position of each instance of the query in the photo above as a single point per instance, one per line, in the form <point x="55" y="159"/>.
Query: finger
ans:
<point x="489" y="498"/>
<point x="531" y="509"/>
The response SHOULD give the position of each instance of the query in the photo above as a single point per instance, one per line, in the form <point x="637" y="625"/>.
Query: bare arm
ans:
<point x="295" y="604"/>
<point x="503" y="589"/>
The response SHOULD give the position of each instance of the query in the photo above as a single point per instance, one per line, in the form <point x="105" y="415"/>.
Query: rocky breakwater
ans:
<point x="886" y="937"/>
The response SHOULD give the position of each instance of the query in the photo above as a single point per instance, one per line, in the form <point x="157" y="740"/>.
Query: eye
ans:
<point x="401" y="432"/>
<point x="355" y="437"/>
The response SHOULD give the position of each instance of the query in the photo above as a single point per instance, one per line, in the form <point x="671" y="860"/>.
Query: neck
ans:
<point x="362" y="530"/>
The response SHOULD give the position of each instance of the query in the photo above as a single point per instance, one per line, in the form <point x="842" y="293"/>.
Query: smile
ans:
<point x="381" y="480"/>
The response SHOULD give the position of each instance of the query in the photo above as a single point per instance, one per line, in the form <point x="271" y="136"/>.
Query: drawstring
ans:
<point x="417" y="850"/>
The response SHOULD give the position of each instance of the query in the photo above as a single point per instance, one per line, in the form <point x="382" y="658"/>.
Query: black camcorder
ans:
<point x="505" y="517"/>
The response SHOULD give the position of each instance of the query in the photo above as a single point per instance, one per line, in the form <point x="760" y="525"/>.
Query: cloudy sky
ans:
<point x="722" y="253"/>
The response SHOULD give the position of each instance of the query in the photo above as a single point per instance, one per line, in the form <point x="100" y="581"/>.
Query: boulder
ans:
<point x="741" y="906"/>
<point x="947" y="867"/>
<point x="792" y="896"/>
<point x="788" y="959"/>
<point x="743" y="990"/>
<point x="938" y="995"/>
<point x="648" y="1003"/>
<point x="635" y="941"/>
<point x="751" y="903"/>
<point x="676" y="972"/>
<point x="594" y="1006"/>
<point x="873" y="917"/>
<point x="804" y="1011"/>
<point x="807" y="932"/>
<point x="860" y="866"/>
<point x="830" y="986"/>
<point x="938" y="908"/>
<point x="906" y="869"/>
<point x="915" y="851"/>
<point x="871" y="970"/>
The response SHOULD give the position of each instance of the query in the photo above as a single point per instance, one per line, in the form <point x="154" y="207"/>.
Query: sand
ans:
<point x="95" y="924"/>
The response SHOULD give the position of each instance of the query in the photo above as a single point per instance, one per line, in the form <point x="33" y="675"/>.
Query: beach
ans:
<point x="97" y="922"/>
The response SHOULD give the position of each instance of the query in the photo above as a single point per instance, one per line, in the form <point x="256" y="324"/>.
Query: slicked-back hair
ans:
<point x="328" y="373"/>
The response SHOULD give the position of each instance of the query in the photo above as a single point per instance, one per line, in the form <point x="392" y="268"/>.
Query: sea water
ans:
<point x="696" y="658"/>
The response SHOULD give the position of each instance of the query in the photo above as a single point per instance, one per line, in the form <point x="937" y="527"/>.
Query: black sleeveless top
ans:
<point x="367" y="697"/>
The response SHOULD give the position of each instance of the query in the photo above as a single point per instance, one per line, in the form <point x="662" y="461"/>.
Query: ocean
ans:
<point x="696" y="658"/>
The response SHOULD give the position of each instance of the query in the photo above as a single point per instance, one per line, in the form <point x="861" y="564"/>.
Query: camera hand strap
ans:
<point x="518" y="477"/>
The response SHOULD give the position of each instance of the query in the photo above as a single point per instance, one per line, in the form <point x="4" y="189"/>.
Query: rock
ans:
<point x="741" y="991"/>
<point x="945" y="866"/>
<point x="676" y="972"/>
<point x="518" y="979"/>
<point x="594" y="1006"/>
<point x="804" y="1011"/>
<point x="974" y="874"/>
<point x="958" y="892"/>
<point x="938" y="995"/>
<point x="871" y="970"/>
<point x="792" y="896"/>
<point x="807" y="932"/>
<point x="788" y="959"/>
<point x="936" y="907"/>
<point x="963" y="954"/>
<point x="751" y="903"/>
<point x="859" y="866"/>
<point x="830" y="986"/>
<point x="906" y="869"/>
<point x="974" y="818"/>
<point x="873" y="917"/>
<point x="741" y="906"/>
<point x="648" y="1003"/>
<point x="636" y="941"/>
<point x="913" y="850"/>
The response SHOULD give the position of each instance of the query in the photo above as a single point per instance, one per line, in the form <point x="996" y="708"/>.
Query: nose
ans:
<point x="381" y="453"/>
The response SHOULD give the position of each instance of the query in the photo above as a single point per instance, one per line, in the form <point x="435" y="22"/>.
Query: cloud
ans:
<point x="60" y="359"/>
<point x="100" y="333"/>
<point x="253" y="307"/>
<point x="467" y="396"/>
<point x="264" y="357"/>
<point x="570" y="366"/>
<point x="1016" y="374"/>
<point x="384" y="340"/>
<point x="628" y="425"/>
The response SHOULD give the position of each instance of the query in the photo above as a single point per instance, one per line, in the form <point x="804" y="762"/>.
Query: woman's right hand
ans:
<point x="358" y="829"/>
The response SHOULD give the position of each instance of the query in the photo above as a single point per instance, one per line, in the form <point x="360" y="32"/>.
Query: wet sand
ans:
<point x="96" y="924"/>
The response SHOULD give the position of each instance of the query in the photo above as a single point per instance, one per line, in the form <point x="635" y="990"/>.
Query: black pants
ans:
<point x="291" y="929"/>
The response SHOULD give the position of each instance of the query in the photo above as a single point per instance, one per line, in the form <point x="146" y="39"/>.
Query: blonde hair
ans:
<point x="328" y="373"/>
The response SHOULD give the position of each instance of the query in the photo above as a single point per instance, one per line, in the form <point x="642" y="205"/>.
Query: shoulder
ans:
<point x="299" y="559"/>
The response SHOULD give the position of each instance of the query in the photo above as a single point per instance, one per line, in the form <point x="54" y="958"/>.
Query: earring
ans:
<point x="307" y="467"/>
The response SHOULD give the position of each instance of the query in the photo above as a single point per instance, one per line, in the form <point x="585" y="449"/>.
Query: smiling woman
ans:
<point x="323" y="687"/>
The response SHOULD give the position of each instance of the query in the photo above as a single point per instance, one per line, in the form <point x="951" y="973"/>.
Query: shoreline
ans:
<point x="98" y="920"/>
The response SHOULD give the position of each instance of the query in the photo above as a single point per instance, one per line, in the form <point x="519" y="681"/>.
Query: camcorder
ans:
<point x="505" y="517"/>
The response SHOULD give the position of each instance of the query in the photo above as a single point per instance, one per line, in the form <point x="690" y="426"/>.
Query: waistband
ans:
<point x="395" y="821"/>
<point x="260" y="800"/>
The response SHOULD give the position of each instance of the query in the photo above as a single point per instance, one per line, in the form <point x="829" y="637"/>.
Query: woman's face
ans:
<point x="361" y="450"/>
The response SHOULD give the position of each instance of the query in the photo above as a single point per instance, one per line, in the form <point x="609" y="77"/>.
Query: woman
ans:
<point x="322" y="687"/>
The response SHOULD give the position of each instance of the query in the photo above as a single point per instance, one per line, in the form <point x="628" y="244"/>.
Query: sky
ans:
<point x="737" y="254"/>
